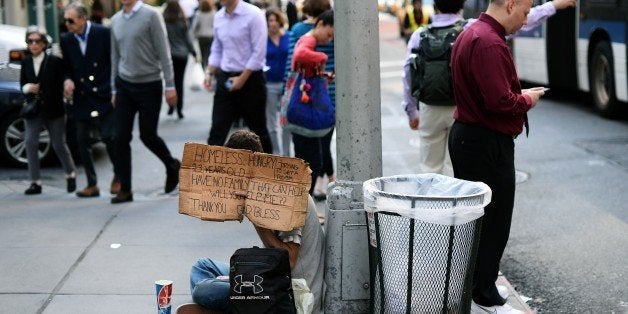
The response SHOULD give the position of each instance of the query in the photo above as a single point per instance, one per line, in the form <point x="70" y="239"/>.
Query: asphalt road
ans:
<point x="569" y="237"/>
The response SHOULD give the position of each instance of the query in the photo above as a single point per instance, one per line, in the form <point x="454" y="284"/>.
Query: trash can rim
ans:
<point x="426" y="198"/>
<point x="408" y="177"/>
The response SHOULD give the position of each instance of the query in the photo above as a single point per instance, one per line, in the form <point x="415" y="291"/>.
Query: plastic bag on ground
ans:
<point x="303" y="298"/>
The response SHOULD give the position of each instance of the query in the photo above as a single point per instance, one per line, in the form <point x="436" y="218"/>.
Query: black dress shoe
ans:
<point x="122" y="197"/>
<point x="172" y="177"/>
<point x="170" y="111"/>
<point x="71" y="184"/>
<point x="33" y="189"/>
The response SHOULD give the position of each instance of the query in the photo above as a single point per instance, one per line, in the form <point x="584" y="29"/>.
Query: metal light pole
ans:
<point x="359" y="153"/>
<point x="41" y="17"/>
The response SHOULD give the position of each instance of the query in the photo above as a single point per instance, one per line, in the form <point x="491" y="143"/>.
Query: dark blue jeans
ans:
<point x="145" y="99"/>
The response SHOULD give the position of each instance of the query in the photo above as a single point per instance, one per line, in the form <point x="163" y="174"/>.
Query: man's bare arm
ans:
<point x="269" y="239"/>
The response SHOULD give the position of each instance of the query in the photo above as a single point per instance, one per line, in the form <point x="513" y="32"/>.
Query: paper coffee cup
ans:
<point x="164" y="296"/>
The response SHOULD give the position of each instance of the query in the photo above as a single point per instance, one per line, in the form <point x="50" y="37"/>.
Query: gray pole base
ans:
<point x="347" y="252"/>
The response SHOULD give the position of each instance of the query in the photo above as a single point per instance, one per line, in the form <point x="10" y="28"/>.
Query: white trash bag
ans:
<point x="303" y="298"/>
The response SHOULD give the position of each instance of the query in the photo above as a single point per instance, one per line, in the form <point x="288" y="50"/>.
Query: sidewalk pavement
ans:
<point x="60" y="254"/>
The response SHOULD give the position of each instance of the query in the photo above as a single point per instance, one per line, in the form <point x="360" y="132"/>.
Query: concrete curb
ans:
<point x="514" y="299"/>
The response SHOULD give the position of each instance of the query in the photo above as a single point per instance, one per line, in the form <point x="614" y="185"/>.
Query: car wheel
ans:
<point x="13" y="148"/>
<point x="602" y="80"/>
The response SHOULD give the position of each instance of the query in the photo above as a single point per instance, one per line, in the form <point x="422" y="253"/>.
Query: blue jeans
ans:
<point x="207" y="291"/>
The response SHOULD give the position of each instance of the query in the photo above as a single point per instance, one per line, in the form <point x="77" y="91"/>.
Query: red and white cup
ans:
<point x="164" y="296"/>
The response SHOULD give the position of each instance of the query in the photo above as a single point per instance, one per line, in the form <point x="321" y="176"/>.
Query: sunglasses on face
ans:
<point x="33" y="41"/>
<point x="69" y="21"/>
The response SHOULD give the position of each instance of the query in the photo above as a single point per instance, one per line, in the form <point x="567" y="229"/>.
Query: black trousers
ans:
<point x="145" y="99"/>
<point x="248" y="103"/>
<point x="328" y="162"/>
<point x="479" y="154"/>
<point x="205" y="43"/>
<point x="105" y="124"/>
<point x="310" y="149"/>
<point x="178" y="67"/>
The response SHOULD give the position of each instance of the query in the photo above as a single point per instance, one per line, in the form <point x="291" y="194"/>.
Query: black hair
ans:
<point x="173" y="12"/>
<point x="448" y="6"/>
<point x="243" y="139"/>
<point x="327" y="18"/>
<point x="314" y="8"/>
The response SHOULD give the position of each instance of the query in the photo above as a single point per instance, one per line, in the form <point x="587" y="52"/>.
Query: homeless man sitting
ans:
<point x="305" y="248"/>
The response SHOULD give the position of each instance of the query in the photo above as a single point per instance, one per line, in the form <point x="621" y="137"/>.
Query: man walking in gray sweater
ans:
<point x="139" y="56"/>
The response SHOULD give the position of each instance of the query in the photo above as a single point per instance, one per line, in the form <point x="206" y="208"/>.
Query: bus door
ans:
<point x="561" y="49"/>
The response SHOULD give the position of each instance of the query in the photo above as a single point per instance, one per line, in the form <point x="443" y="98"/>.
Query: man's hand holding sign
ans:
<point x="219" y="184"/>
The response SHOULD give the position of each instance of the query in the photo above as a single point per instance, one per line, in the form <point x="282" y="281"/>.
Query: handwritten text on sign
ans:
<point x="214" y="179"/>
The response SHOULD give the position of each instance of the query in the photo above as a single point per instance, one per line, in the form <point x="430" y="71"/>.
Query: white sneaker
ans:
<point x="503" y="291"/>
<point x="497" y="309"/>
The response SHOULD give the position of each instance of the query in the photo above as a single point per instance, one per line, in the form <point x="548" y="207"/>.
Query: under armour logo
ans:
<point x="255" y="284"/>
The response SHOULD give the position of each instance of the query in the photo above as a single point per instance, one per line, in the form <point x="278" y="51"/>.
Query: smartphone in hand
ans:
<point x="228" y="84"/>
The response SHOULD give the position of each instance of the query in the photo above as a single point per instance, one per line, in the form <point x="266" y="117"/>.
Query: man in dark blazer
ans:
<point x="87" y="56"/>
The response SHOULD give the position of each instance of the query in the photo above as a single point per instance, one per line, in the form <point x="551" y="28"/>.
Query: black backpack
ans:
<point x="260" y="281"/>
<point x="430" y="71"/>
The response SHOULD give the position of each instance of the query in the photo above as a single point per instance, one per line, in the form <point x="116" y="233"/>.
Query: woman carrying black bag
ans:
<point x="41" y="78"/>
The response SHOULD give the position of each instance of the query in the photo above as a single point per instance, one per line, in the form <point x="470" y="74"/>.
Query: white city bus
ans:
<point x="582" y="48"/>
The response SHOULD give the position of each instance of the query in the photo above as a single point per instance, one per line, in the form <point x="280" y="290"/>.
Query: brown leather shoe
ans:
<point x="115" y="186"/>
<point x="90" y="191"/>
<point x="122" y="197"/>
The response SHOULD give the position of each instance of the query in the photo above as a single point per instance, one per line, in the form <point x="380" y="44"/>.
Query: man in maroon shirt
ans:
<point x="491" y="112"/>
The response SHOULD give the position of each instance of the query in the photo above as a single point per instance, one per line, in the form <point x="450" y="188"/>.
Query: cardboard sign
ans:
<point x="214" y="179"/>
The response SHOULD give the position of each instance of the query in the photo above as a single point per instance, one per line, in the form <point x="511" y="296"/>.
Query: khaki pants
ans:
<point x="434" y="125"/>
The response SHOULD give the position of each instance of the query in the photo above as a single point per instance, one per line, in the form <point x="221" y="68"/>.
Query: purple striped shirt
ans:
<point x="239" y="39"/>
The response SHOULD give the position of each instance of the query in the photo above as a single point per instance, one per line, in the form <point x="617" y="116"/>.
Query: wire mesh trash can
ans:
<point x="423" y="238"/>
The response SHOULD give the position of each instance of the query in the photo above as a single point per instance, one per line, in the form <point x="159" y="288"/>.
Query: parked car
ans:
<point x="12" y="131"/>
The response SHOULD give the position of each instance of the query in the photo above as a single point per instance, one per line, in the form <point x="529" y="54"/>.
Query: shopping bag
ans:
<point x="197" y="76"/>
<point x="310" y="112"/>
